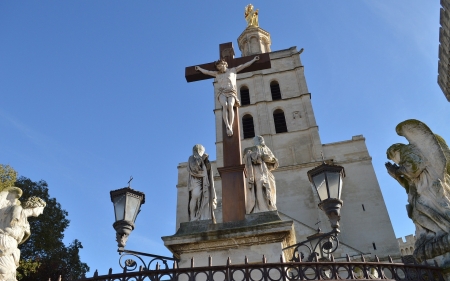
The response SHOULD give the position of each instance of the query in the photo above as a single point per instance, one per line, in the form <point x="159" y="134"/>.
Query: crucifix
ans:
<point x="232" y="173"/>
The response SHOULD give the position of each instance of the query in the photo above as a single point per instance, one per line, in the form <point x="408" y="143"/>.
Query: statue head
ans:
<point x="258" y="140"/>
<point x="198" y="150"/>
<point x="393" y="152"/>
<point x="221" y="65"/>
<point x="249" y="8"/>
<point x="36" y="204"/>
<point x="408" y="157"/>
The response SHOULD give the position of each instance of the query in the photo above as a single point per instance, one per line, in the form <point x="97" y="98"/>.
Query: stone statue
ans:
<point x="202" y="195"/>
<point x="14" y="228"/>
<point x="226" y="78"/>
<point x="261" y="189"/>
<point x="251" y="16"/>
<point x="422" y="167"/>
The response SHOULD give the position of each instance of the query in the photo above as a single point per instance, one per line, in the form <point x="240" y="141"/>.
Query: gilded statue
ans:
<point x="251" y="16"/>
<point x="422" y="167"/>
<point x="14" y="228"/>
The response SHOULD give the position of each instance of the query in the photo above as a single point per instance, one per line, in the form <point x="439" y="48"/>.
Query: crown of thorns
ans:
<point x="34" y="202"/>
<point x="221" y="61"/>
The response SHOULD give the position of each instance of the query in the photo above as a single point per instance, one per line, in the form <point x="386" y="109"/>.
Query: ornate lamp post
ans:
<point x="127" y="203"/>
<point x="327" y="181"/>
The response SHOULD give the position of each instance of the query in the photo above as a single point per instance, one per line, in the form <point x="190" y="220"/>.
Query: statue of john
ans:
<point x="226" y="78"/>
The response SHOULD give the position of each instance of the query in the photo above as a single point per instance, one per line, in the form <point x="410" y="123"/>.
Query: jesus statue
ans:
<point x="226" y="78"/>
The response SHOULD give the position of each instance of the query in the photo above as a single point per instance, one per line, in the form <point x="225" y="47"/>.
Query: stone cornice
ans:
<point x="223" y="239"/>
<point x="258" y="102"/>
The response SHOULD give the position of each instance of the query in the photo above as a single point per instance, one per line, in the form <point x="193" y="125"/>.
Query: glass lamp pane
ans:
<point x="333" y="184"/>
<point x="319" y="182"/>
<point x="340" y="187"/>
<point x="132" y="208"/>
<point x="119" y="207"/>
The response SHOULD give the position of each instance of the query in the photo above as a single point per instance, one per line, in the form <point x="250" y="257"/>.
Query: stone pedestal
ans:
<point x="259" y="234"/>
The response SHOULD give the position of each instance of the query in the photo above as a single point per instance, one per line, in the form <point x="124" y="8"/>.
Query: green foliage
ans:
<point x="28" y="267"/>
<point x="45" y="244"/>
<point x="7" y="176"/>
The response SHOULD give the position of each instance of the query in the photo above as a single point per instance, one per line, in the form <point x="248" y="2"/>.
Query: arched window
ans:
<point x="248" y="126"/>
<point x="245" y="95"/>
<point x="403" y="252"/>
<point x="407" y="251"/>
<point x="279" y="121"/>
<point x="275" y="90"/>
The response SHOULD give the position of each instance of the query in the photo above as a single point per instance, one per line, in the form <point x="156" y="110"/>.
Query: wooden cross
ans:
<point x="232" y="172"/>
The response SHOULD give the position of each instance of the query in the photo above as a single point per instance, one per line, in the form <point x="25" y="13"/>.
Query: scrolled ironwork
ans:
<point x="284" y="271"/>
<point x="321" y="246"/>
<point x="129" y="260"/>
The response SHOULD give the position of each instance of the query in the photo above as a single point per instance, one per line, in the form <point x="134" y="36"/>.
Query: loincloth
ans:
<point x="229" y="94"/>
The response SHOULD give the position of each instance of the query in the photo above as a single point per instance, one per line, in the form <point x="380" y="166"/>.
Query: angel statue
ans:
<point x="14" y="228"/>
<point x="422" y="167"/>
<point x="251" y="16"/>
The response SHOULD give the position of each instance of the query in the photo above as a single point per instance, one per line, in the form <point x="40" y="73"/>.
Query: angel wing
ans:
<point x="433" y="149"/>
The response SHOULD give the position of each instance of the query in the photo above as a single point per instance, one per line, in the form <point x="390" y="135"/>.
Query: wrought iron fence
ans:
<point x="281" y="271"/>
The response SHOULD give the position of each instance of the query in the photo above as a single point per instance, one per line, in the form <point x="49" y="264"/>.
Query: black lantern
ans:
<point x="127" y="203"/>
<point x="327" y="180"/>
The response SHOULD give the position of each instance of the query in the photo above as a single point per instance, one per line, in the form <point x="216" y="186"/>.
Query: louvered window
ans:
<point x="245" y="96"/>
<point x="275" y="90"/>
<point x="279" y="121"/>
<point x="248" y="126"/>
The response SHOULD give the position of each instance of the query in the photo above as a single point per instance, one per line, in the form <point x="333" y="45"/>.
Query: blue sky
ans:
<point x="92" y="92"/>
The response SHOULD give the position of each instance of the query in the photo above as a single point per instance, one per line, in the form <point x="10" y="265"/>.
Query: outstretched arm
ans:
<point x="247" y="64"/>
<point x="207" y="72"/>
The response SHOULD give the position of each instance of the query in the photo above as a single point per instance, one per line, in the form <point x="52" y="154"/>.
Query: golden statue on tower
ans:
<point x="251" y="16"/>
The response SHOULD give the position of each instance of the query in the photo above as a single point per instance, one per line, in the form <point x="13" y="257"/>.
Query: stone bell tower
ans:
<point x="254" y="40"/>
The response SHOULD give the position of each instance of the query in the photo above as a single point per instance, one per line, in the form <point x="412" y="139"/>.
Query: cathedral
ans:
<point x="275" y="103"/>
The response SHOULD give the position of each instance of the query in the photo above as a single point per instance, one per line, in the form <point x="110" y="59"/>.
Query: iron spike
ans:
<point x="362" y="258"/>
<point x="377" y="259"/>
<point x="332" y="258"/>
<point x="110" y="271"/>
<point x="157" y="266"/>
<point x="228" y="261"/>
<point x="192" y="262"/>
<point x="348" y="258"/>
<point x="390" y="259"/>
<point x="209" y="260"/>
<point x="264" y="260"/>
<point x="281" y="259"/>
<point x="96" y="273"/>
<point x="246" y="260"/>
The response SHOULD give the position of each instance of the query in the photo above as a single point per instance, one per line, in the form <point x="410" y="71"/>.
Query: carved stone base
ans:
<point x="259" y="234"/>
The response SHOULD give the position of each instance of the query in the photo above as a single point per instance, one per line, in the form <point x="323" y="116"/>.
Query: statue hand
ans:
<point x="392" y="169"/>
<point x="256" y="58"/>
<point x="205" y="156"/>
<point x="196" y="68"/>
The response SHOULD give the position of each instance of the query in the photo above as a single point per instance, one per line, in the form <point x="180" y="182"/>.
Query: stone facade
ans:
<point x="406" y="248"/>
<point x="444" y="49"/>
<point x="365" y="224"/>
